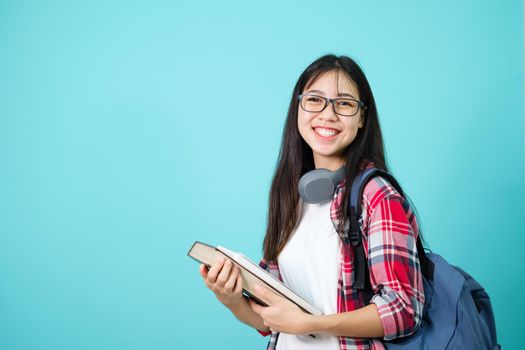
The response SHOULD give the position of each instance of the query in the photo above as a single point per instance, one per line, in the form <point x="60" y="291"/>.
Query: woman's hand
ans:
<point x="225" y="280"/>
<point x="280" y="315"/>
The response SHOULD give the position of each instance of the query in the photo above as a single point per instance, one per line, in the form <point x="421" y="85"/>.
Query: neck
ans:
<point x="328" y="163"/>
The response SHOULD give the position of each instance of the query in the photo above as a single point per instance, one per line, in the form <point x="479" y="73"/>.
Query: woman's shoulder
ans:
<point x="376" y="190"/>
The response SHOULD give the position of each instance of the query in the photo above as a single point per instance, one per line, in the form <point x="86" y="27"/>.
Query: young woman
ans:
<point x="332" y="123"/>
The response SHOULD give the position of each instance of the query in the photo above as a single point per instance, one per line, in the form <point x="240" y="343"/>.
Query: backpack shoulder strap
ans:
<point x="362" y="280"/>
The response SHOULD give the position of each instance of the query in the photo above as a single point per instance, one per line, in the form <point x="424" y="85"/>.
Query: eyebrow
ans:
<point x="322" y="93"/>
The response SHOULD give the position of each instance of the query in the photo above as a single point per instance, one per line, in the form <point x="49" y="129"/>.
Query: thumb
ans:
<point x="255" y="307"/>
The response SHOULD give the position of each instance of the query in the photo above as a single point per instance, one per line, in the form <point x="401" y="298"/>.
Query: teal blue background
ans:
<point x="130" y="129"/>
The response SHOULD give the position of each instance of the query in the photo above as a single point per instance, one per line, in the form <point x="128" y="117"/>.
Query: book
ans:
<point x="252" y="274"/>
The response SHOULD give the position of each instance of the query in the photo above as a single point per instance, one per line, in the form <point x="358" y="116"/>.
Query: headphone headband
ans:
<point x="319" y="185"/>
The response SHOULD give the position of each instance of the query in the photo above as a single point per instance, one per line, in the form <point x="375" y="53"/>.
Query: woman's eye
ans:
<point x="346" y="103"/>
<point x="314" y="99"/>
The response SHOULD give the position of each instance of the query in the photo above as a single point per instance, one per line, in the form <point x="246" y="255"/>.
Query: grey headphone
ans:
<point x="319" y="185"/>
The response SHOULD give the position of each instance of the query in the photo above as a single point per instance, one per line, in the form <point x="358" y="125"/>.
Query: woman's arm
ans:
<point x="360" y="323"/>
<point x="395" y="273"/>
<point x="245" y="314"/>
<point x="283" y="316"/>
<point x="225" y="281"/>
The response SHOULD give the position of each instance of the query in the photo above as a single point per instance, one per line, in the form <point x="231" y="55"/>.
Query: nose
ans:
<point x="328" y="112"/>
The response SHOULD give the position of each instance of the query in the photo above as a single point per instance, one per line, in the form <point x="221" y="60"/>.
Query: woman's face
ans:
<point x="327" y="133"/>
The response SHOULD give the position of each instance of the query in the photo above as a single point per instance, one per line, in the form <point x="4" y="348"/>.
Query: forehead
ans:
<point x="333" y="82"/>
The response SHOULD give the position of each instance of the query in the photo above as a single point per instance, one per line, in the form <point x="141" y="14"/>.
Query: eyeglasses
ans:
<point x="344" y="106"/>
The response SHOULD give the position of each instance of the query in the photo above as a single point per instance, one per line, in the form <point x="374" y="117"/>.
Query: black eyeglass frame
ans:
<point x="360" y="104"/>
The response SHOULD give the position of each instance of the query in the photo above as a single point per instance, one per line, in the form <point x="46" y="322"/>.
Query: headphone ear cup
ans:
<point x="316" y="186"/>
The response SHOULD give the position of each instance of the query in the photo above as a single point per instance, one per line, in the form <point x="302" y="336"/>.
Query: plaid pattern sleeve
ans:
<point x="391" y="232"/>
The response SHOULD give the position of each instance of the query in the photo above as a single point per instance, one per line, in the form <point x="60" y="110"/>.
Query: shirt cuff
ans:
<point x="264" y="333"/>
<point x="387" y="313"/>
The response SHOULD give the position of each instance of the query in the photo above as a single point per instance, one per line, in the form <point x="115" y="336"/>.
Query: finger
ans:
<point x="238" y="284"/>
<point x="203" y="270"/>
<point x="255" y="307"/>
<point x="265" y="294"/>
<point x="225" y="273"/>
<point x="214" y="271"/>
<point x="230" y="284"/>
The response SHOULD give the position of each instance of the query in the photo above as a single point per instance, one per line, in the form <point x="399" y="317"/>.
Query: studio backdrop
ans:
<point x="131" y="129"/>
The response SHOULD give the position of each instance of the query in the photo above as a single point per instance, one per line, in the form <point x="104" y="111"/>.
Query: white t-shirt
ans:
<point x="309" y="265"/>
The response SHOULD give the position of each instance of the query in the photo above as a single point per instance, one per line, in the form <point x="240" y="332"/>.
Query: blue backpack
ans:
<point x="457" y="312"/>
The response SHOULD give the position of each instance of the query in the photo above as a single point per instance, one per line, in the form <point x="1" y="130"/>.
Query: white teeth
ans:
<point x="326" y="132"/>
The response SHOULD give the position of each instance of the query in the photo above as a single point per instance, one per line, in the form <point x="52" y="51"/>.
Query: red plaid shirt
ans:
<point x="389" y="231"/>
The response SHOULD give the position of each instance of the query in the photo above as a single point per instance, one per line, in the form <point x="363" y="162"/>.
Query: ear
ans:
<point x="361" y="121"/>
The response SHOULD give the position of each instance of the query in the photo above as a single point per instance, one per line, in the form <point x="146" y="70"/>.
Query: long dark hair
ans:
<point x="296" y="157"/>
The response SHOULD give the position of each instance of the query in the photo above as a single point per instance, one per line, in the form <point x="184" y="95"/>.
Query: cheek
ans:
<point x="352" y="130"/>
<point x="352" y="125"/>
<point x="303" y="124"/>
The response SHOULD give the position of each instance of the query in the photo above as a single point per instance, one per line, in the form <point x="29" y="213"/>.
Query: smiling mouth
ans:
<point x="326" y="133"/>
